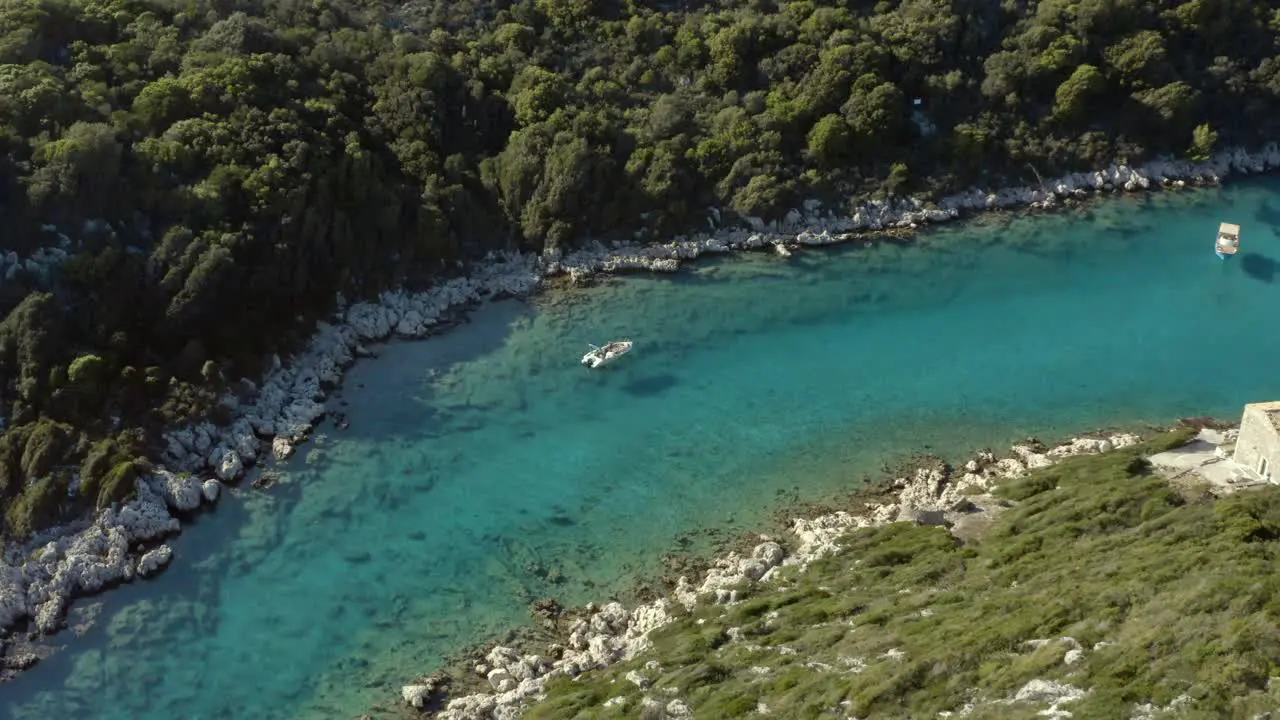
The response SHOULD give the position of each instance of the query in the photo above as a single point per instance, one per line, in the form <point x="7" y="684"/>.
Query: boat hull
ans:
<point x="1228" y="241"/>
<point x="599" y="357"/>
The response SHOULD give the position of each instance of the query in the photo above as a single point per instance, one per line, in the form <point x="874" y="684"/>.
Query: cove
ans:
<point x="485" y="468"/>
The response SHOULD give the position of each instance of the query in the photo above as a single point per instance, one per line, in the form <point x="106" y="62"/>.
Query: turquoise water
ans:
<point x="480" y="463"/>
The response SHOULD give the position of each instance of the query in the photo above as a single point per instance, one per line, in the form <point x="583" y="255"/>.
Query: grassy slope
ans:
<point x="1181" y="587"/>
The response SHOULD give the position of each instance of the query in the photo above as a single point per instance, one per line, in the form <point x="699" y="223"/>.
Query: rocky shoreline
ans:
<point x="595" y="637"/>
<point x="39" y="578"/>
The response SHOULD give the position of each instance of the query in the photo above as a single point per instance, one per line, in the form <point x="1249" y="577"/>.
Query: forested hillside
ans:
<point x="220" y="169"/>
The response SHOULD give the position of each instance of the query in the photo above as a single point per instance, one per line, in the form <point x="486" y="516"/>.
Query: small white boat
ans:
<point x="599" y="356"/>
<point x="1228" y="242"/>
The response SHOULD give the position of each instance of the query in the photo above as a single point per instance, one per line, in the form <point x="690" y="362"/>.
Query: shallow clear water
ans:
<point x="478" y="461"/>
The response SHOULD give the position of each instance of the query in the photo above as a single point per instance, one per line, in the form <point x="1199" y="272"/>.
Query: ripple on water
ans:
<point x="479" y="462"/>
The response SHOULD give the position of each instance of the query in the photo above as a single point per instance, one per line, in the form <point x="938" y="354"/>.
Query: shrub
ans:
<point x="36" y="507"/>
<point x="1184" y="593"/>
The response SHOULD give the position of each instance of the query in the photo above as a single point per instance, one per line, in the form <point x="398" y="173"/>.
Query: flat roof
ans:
<point x="1271" y="409"/>
<point x="1229" y="229"/>
<point x="1265" y="405"/>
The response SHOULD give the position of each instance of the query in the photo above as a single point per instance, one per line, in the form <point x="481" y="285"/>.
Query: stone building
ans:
<point x="1258" y="446"/>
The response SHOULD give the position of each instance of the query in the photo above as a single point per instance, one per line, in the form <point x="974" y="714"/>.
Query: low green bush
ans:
<point x="1165" y="597"/>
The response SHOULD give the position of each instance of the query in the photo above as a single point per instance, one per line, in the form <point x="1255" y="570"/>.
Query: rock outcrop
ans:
<point x="153" y="561"/>
<point x="101" y="555"/>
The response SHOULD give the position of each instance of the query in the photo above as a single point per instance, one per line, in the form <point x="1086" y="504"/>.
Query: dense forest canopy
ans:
<point x="220" y="169"/>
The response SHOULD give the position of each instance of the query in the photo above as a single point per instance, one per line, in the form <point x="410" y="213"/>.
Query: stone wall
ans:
<point x="1259" y="439"/>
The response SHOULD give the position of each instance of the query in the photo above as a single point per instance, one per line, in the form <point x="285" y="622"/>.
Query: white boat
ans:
<point x="1228" y="242"/>
<point x="599" y="356"/>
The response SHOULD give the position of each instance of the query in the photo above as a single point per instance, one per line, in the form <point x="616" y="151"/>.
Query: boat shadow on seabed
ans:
<point x="1259" y="267"/>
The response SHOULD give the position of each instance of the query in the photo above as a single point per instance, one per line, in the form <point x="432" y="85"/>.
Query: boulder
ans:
<point x="211" y="489"/>
<point x="281" y="447"/>
<point x="153" y="561"/>
<point x="179" y="492"/>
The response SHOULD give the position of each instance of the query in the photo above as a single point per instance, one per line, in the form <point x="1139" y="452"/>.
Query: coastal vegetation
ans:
<point x="1104" y="589"/>
<point x="217" y="172"/>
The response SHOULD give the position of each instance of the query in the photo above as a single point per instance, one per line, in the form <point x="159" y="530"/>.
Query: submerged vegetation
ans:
<point x="1103" y="582"/>
<point x="218" y="171"/>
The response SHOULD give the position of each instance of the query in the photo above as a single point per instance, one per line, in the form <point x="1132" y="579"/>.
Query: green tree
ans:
<point x="79" y="173"/>
<point x="1139" y="58"/>
<point x="899" y="178"/>
<point x="1172" y="103"/>
<point x="830" y="140"/>
<point x="536" y="93"/>
<point x="567" y="14"/>
<point x="1203" y="140"/>
<point x="31" y="340"/>
<point x="1073" y="97"/>
<point x="87" y="373"/>
<point x="762" y="196"/>
<point x="222" y="172"/>
<point x="875" y="112"/>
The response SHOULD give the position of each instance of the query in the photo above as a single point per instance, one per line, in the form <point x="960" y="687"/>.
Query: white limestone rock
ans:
<point x="229" y="466"/>
<point x="1124" y="440"/>
<point x="479" y="706"/>
<point x="77" y="565"/>
<point x="281" y="447"/>
<point x="416" y="695"/>
<point x="1048" y="691"/>
<point x="638" y="680"/>
<point x="296" y="420"/>
<point x="500" y="656"/>
<point x="644" y="619"/>
<point x="371" y="321"/>
<point x="13" y="595"/>
<point x="818" y="536"/>
<point x="142" y="519"/>
<point x="1008" y="468"/>
<point x="243" y="440"/>
<point x="1031" y="458"/>
<point x="501" y="679"/>
<point x="1081" y="446"/>
<point x="155" y="560"/>
<point x="180" y="492"/>
<point x="677" y="709"/>
<point x="211" y="489"/>
<point x="769" y="553"/>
